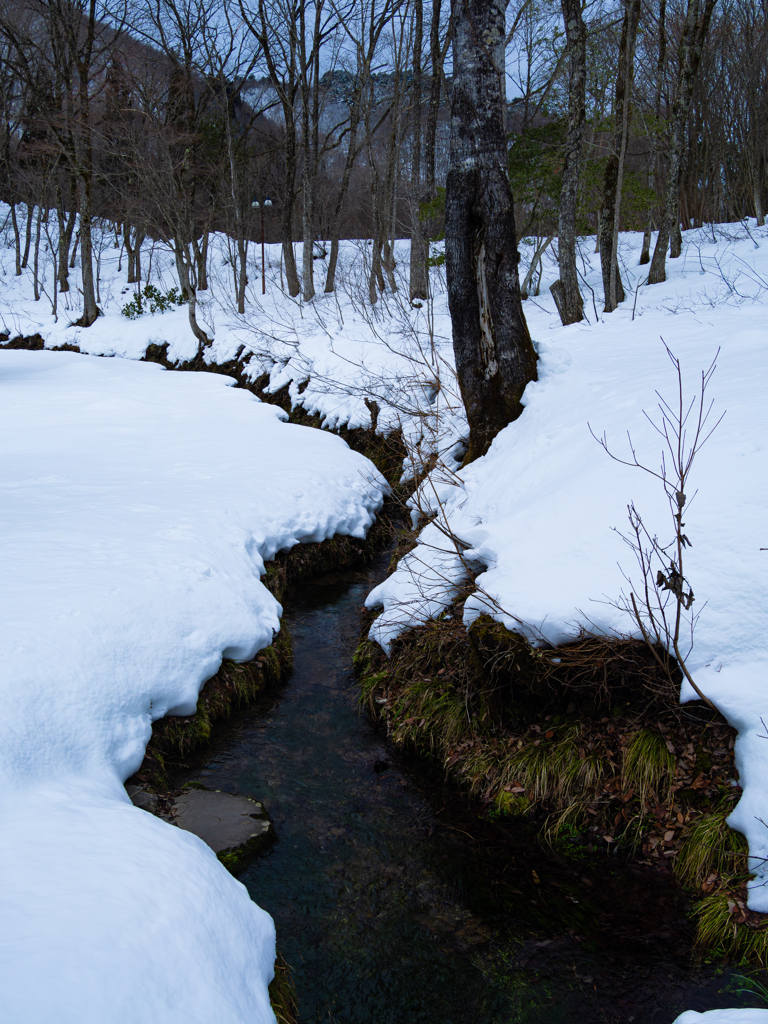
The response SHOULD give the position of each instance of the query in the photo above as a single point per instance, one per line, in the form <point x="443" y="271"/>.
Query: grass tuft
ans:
<point x="710" y="848"/>
<point x="649" y="767"/>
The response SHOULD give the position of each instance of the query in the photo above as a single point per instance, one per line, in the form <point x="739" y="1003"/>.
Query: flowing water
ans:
<point x="395" y="901"/>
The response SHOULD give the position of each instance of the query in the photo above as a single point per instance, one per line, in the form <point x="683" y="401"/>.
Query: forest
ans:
<point x="384" y="468"/>
<point x="171" y="119"/>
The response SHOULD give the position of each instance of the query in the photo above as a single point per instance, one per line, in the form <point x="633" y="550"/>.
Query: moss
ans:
<point x="234" y="686"/>
<point x="239" y="857"/>
<point x="511" y="805"/>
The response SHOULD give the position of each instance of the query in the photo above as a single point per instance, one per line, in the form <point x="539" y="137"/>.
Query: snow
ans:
<point x="168" y="577"/>
<point x="539" y="514"/>
<point x="723" y="1017"/>
<point x="339" y="349"/>
<point x="138" y="509"/>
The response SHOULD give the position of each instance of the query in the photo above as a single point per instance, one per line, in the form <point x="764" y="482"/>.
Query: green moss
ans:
<point x="510" y="805"/>
<point x="239" y="857"/>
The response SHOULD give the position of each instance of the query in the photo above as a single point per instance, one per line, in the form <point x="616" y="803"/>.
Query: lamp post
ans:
<point x="256" y="205"/>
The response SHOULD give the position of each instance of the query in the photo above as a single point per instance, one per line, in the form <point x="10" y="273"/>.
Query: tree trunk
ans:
<point x="330" y="277"/>
<point x="27" y="236"/>
<point x="242" y="277"/>
<point x="183" y="262"/>
<point x="309" y="85"/>
<point x="66" y="230"/>
<point x="36" y="254"/>
<point x="675" y="241"/>
<point x="757" y="197"/>
<point x="614" y="170"/>
<point x="201" y="262"/>
<point x="691" y="43"/>
<point x="525" y="289"/>
<point x="17" y="239"/>
<point x="495" y="358"/>
<point x="645" y="255"/>
<point x="419" y="270"/>
<point x="571" y="306"/>
<point x="286" y="220"/>
<point x="133" y="250"/>
<point x="90" y="309"/>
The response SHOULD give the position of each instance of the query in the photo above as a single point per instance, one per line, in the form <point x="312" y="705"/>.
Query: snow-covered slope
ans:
<point x="138" y="509"/>
<point x="540" y="512"/>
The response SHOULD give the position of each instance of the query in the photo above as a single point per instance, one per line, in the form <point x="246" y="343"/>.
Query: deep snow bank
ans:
<point x="539" y="513"/>
<point x="335" y="354"/>
<point x="138" y="509"/>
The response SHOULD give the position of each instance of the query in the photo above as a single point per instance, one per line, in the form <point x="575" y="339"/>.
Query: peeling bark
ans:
<point x="495" y="358"/>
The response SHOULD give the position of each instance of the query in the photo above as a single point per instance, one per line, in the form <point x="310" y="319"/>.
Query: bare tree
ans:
<point x="614" y="169"/>
<point x="565" y="291"/>
<point x="695" y="30"/>
<point x="495" y="358"/>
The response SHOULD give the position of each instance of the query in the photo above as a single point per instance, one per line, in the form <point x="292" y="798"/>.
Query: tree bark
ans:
<point x="184" y="260"/>
<point x="614" y="170"/>
<point x="16" y="239"/>
<point x="645" y="254"/>
<point x="133" y="250"/>
<point x="571" y="305"/>
<point x="27" y="236"/>
<point x="495" y="358"/>
<point x="757" y="196"/>
<point x="691" y="44"/>
<point x="66" y="230"/>
<point x="419" y="271"/>
<point x="525" y="288"/>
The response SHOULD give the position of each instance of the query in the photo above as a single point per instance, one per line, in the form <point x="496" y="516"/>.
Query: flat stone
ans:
<point x="140" y="798"/>
<point x="221" y="820"/>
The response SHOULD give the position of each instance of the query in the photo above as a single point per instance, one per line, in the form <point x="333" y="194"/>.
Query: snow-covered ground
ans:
<point x="541" y="515"/>
<point x="139" y="507"/>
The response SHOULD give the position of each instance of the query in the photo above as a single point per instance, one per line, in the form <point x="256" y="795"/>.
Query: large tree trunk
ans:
<point x="418" y="281"/>
<point x="330" y="278"/>
<point x="661" y="58"/>
<point x="91" y="310"/>
<point x="614" y="169"/>
<point x="286" y="212"/>
<point x="691" y="44"/>
<point x="495" y="358"/>
<point x="570" y="304"/>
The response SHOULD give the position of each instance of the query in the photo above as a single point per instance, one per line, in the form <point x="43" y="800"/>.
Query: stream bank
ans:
<point x="586" y="747"/>
<point x="396" y="898"/>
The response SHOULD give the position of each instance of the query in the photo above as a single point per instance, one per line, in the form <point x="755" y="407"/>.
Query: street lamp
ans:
<point x="256" y="205"/>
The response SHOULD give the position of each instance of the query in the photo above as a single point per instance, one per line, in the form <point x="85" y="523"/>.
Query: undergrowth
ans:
<point x="585" y="747"/>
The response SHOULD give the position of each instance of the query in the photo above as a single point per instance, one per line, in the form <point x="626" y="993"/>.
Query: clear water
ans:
<point x="395" y="902"/>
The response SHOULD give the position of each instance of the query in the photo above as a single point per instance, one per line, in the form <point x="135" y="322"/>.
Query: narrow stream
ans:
<point x="395" y="902"/>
